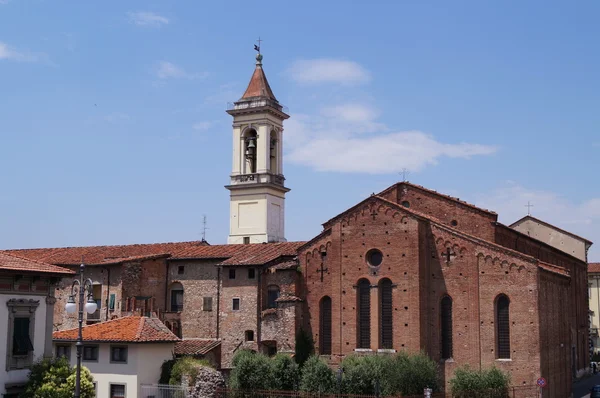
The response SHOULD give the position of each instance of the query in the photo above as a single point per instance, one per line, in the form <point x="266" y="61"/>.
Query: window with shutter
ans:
<point x="272" y="296"/>
<point x="502" y="327"/>
<point x="21" y="340"/>
<point x="386" y="327"/>
<point x="364" y="314"/>
<point x="207" y="304"/>
<point x="446" y="326"/>
<point x="111" y="302"/>
<point x="325" y="326"/>
<point x="117" y="391"/>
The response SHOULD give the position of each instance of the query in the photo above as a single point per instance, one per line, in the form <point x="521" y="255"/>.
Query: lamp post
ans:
<point x="80" y="286"/>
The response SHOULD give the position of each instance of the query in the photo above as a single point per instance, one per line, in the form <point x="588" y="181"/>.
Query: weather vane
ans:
<point x="257" y="47"/>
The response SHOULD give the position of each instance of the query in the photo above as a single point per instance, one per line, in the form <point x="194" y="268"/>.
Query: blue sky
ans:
<point x="114" y="131"/>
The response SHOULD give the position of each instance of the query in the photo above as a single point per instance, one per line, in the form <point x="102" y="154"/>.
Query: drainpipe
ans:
<point x="167" y="285"/>
<point x="218" y="299"/>
<point x="107" y="290"/>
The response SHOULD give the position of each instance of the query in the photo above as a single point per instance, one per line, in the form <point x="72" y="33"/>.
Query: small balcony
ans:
<point x="94" y="316"/>
<point x="258" y="178"/>
<point x="257" y="103"/>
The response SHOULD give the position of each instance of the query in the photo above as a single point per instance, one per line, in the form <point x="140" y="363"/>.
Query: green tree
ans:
<point x="251" y="372"/>
<point x="413" y="373"/>
<point x="285" y="373"/>
<point x="187" y="366"/>
<point x="55" y="378"/>
<point x="304" y="346"/>
<point x="478" y="383"/>
<point x="317" y="376"/>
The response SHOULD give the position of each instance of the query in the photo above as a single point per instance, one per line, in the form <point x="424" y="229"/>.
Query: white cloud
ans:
<point x="326" y="70"/>
<point x="145" y="18"/>
<point x="167" y="70"/>
<point x="202" y="126"/>
<point x="9" y="53"/>
<point x="347" y="138"/>
<point x="579" y="217"/>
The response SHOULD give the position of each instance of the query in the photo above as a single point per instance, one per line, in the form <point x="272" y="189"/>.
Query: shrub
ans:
<point x="55" y="378"/>
<point x="165" y="371"/>
<point x="471" y="383"/>
<point x="251" y="372"/>
<point x="317" y="376"/>
<point x="285" y="373"/>
<point x="304" y="347"/>
<point x="413" y="373"/>
<point x="187" y="366"/>
<point x="364" y="375"/>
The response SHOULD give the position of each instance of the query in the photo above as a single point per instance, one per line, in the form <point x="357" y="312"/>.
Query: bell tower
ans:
<point x="257" y="190"/>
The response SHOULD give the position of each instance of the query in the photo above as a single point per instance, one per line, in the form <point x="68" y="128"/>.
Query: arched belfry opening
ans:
<point x="257" y="185"/>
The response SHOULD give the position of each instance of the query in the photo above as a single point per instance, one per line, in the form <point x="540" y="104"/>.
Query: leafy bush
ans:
<point x="251" y="372"/>
<point x="304" y="346"/>
<point x="165" y="371"/>
<point x="55" y="378"/>
<point x="471" y="383"/>
<point x="317" y="376"/>
<point x="285" y="373"/>
<point x="413" y="373"/>
<point x="364" y="375"/>
<point x="187" y="366"/>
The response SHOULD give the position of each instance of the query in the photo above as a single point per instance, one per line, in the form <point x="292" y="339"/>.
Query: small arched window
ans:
<point x="325" y="326"/>
<point x="386" y="326"/>
<point x="502" y="327"/>
<point x="176" y="297"/>
<point x="250" y="151"/>
<point x="273" y="144"/>
<point x="364" y="314"/>
<point x="446" y="326"/>
<point x="272" y="296"/>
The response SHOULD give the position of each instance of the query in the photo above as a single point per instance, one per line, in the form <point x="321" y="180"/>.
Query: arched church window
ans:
<point x="446" y="326"/>
<point x="176" y="297"/>
<point x="502" y="327"/>
<point x="325" y="326"/>
<point x="272" y="296"/>
<point x="273" y="143"/>
<point x="364" y="314"/>
<point x="250" y="151"/>
<point x="386" y="326"/>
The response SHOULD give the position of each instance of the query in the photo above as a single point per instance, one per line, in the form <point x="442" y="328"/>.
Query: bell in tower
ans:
<point x="257" y="186"/>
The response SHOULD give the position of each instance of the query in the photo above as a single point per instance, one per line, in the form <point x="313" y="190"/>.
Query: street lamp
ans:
<point x="80" y="286"/>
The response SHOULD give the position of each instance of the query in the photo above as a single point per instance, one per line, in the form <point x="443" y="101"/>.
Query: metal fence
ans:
<point x="163" y="391"/>
<point x="511" y="392"/>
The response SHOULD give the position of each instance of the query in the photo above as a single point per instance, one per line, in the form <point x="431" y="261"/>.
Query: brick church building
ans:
<point x="406" y="269"/>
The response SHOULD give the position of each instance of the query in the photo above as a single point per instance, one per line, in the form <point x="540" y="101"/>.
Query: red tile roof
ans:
<point x="594" y="268"/>
<point x="259" y="86"/>
<point x="11" y="262"/>
<point x="131" y="329"/>
<point x="195" y="346"/>
<point x="252" y="254"/>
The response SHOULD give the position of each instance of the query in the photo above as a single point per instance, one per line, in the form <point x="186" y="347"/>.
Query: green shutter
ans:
<point x="111" y="302"/>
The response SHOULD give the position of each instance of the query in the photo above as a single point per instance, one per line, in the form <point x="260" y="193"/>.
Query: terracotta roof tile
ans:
<point x="289" y="264"/>
<point x="252" y="254"/>
<point x="259" y="86"/>
<point x="11" y="262"/>
<point x="131" y="329"/>
<point x="195" y="346"/>
<point x="594" y="267"/>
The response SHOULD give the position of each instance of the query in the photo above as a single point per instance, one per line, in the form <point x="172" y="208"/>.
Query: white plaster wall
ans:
<point x="553" y="237"/>
<point x="266" y="223"/>
<point x="39" y="335"/>
<point x="594" y="305"/>
<point x="151" y="357"/>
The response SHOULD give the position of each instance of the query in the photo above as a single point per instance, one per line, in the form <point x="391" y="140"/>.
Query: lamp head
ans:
<point x="90" y="306"/>
<point x="71" y="307"/>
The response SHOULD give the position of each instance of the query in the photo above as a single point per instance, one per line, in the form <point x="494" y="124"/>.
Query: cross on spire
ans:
<point x="257" y="48"/>
<point x="404" y="173"/>
<point x="322" y="271"/>
<point x="529" y="206"/>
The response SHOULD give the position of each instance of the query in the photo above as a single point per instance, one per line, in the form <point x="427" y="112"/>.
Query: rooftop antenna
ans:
<point x="529" y="206"/>
<point x="204" y="228"/>
<point x="404" y="173"/>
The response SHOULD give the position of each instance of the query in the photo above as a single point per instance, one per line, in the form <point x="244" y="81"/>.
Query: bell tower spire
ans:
<point x="257" y="189"/>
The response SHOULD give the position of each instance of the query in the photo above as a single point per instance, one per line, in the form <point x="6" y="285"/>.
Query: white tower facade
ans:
<point x="257" y="190"/>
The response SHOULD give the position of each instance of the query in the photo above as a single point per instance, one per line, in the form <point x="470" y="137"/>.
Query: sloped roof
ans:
<point x="594" y="268"/>
<point x="259" y="86"/>
<point x="251" y="254"/>
<point x="131" y="329"/>
<point x="534" y="219"/>
<point x="11" y="262"/>
<point x="196" y="346"/>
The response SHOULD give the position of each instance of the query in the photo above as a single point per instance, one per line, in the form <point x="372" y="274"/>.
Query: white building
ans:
<point x="257" y="190"/>
<point x="26" y="311"/>
<point x="122" y="354"/>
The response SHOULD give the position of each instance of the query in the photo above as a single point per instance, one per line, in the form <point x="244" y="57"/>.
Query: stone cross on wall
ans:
<point x="449" y="255"/>
<point x="322" y="271"/>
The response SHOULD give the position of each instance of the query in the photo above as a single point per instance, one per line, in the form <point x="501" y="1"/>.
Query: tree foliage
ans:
<point x="251" y="372"/>
<point x="317" y="376"/>
<point x="55" y="378"/>
<point x="186" y="366"/>
<point x="472" y="383"/>
<point x="285" y="373"/>
<point x="304" y="347"/>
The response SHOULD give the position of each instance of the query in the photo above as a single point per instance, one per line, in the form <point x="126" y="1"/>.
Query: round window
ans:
<point x="454" y="223"/>
<point x="374" y="257"/>
<point x="406" y="203"/>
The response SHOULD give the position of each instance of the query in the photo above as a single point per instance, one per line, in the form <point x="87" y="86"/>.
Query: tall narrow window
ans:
<point x="272" y="296"/>
<point x="386" y="326"/>
<point x="21" y="340"/>
<point x="446" y="326"/>
<point x="325" y="326"/>
<point x="364" y="314"/>
<point x="273" y="153"/>
<point x="250" y="152"/>
<point x="176" y="297"/>
<point x="502" y="327"/>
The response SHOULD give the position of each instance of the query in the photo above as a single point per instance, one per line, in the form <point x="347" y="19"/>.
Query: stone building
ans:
<point x="406" y="269"/>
